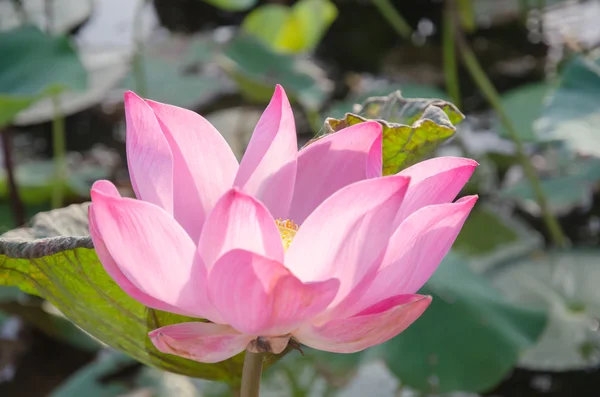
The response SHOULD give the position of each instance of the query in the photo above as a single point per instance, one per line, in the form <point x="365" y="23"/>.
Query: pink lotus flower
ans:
<point x="202" y="239"/>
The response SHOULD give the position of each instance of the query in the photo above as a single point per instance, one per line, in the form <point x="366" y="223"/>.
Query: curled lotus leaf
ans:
<point x="412" y="128"/>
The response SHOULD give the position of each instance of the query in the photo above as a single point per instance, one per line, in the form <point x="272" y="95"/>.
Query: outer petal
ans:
<point x="204" y="165"/>
<point x="434" y="181"/>
<point x="347" y="232"/>
<point x="151" y="250"/>
<point x="335" y="161"/>
<point x="268" y="169"/>
<point x="373" y="326"/>
<point x="111" y="266"/>
<point x="416" y="249"/>
<point x="149" y="157"/>
<point x="204" y="342"/>
<point x="259" y="296"/>
<point x="239" y="221"/>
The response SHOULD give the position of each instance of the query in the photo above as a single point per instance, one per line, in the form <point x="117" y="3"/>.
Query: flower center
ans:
<point x="287" y="230"/>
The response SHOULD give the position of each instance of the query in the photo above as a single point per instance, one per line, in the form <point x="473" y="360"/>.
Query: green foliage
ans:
<point x="302" y="372"/>
<point x="473" y="242"/>
<point x="114" y="374"/>
<point x="7" y="216"/>
<point x="412" y="128"/>
<point x="8" y="294"/>
<point x="232" y="5"/>
<point x="573" y="112"/>
<point x="523" y="106"/>
<point x="181" y="80"/>
<point x="490" y="235"/>
<point x="566" y="284"/>
<point x="567" y="189"/>
<point x="257" y="69"/>
<point x="467" y="340"/>
<point x="36" y="181"/>
<point x="35" y="65"/>
<point x="466" y="11"/>
<point x="294" y="29"/>
<point x="32" y="311"/>
<point x="75" y="282"/>
<point x="66" y="272"/>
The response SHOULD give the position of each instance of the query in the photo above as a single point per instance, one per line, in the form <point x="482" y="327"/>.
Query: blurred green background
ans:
<point x="516" y="303"/>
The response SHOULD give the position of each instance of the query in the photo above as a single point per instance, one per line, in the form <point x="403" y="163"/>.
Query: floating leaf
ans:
<point x="573" y="111"/>
<point x="35" y="65"/>
<point x="65" y="270"/>
<point x="489" y="236"/>
<point x="523" y="106"/>
<point x="168" y="84"/>
<point x="58" y="16"/>
<point x="7" y="215"/>
<point x="9" y="294"/>
<point x="105" y="70"/>
<point x="337" y="369"/>
<point x="573" y="187"/>
<point x="257" y="69"/>
<point x="467" y="340"/>
<point x="107" y="376"/>
<point x="114" y="374"/>
<point x="566" y="283"/>
<point x="177" y="72"/>
<point x="411" y="127"/>
<point x="55" y="326"/>
<point x="302" y="372"/>
<point x="236" y="124"/>
<point x="294" y="29"/>
<point x="36" y="181"/>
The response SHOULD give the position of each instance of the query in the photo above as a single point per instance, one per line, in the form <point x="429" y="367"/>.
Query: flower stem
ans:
<point x="449" y="52"/>
<point x="251" y="373"/>
<point x="451" y="69"/>
<point x="59" y="153"/>
<point x="17" y="207"/>
<point x="139" y="70"/>
<point x="397" y="21"/>
<point x="489" y="91"/>
<point x="467" y="15"/>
